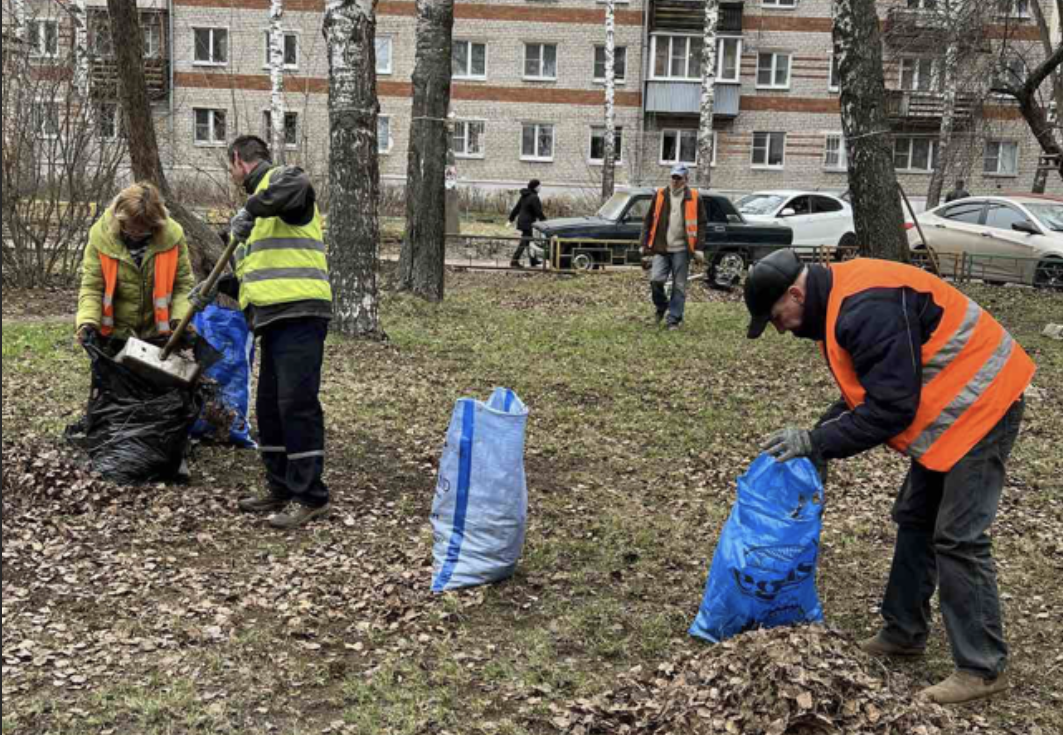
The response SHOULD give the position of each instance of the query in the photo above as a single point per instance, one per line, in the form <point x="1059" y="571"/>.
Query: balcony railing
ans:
<point x="688" y="16"/>
<point x="916" y="27"/>
<point x="926" y="107"/>
<point x="104" y="76"/>
<point x="684" y="98"/>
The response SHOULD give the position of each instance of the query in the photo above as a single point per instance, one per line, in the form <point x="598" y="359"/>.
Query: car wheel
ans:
<point x="582" y="262"/>
<point x="729" y="270"/>
<point x="1049" y="275"/>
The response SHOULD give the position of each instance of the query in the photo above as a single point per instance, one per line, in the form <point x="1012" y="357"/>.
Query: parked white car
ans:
<point x="815" y="217"/>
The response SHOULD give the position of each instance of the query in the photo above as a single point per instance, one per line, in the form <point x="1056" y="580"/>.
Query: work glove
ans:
<point x="789" y="444"/>
<point x="241" y="225"/>
<point x="201" y="299"/>
<point x="87" y="335"/>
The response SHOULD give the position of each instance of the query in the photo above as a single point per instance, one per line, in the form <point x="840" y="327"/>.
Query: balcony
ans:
<point x="684" y="98"/>
<point x="103" y="66"/>
<point x="923" y="29"/>
<point x="925" y="109"/>
<point x="104" y="77"/>
<point x="688" y="16"/>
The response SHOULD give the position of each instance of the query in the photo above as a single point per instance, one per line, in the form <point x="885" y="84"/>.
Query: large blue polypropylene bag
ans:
<point x="480" y="510"/>
<point x="763" y="574"/>
<point x="226" y="330"/>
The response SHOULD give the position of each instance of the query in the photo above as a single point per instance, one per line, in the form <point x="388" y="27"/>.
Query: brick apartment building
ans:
<point x="528" y="89"/>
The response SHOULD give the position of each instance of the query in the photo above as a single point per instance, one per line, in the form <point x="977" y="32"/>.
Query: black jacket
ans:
<point x="884" y="330"/>
<point x="528" y="210"/>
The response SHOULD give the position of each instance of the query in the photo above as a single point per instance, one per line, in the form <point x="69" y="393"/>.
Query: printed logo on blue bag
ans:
<point x="770" y="571"/>
<point x="443" y="487"/>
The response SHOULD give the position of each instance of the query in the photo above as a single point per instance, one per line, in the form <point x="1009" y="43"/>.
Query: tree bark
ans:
<point x="354" y="166"/>
<point x="203" y="243"/>
<point x="276" y="77"/>
<point x="708" y="94"/>
<point x="423" y="255"/>
<point x="81" y="48"/>
<point x="877" y="211"/>
<point x="609" y="136"/>
<point x="20" y="20"/>
<point x="948" y="124"/>
<point x="1040" y="181"/>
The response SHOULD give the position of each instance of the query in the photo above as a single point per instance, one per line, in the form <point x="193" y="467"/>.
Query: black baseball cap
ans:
<point x="767" y="282"/>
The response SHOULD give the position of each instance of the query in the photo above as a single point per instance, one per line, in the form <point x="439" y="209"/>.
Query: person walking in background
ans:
<point x="672" y="230"/>
<point x="959" y="192"/>
<point x="526" y="213"/>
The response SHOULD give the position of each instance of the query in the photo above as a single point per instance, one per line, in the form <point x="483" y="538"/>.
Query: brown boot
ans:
<point x="268" y="504"/>
<point x="298" y="515"/>
<point x="879" y="646"/>
<point x="961" y="688"/>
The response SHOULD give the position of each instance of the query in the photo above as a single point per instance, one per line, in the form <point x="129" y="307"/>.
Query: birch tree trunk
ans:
<point x="609" y="137"/>
<point x="204" y="245"/>
<point x="708" y="94"/>
<point x="354" y="165"/>
<point x="276" y="78"/>
<point x="876" y="201"/>
<point x="948" y="124"/>
<point x="20" y="20"/>
<point x="421" y="264"/>
<point x="79" y="19"/>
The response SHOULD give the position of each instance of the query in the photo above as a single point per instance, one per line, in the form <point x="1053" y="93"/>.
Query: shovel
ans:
<point x="158" y="364"/>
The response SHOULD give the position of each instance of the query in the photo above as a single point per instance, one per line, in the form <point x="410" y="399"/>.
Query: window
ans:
<point x="110" y="122"/>
<point x="290" y="50"/>
<point x="44" y="37"/>
<point x="537" y="142"/>
<point x="922" y="4"/>
<point x="769" y="150"/>
<point x="968" y="212"/>
<point x="102" y="42"/>
<point x="152" y="31"/>
<point x="677" y="57"/>
<point x="619" y="64"/>
<point x="212" y="46"/>
<point x="291" y="128"/>
<point x="1009" y="72"/>
<point x="1014" y="8"/>
<point x="1002" y="217"/>
<point x="915" y="154"/>
<point x="679" y="146"/>
<point x="209" y="127"/>
<point x="728" y="59"/>
<point x="383" y="54"/>
<point x="835" y="156"/>
<point x="826" y="205"/>
<point x="1001" y="158"/>
<point x="773" y="71"/>
<point x="540" y="61"/>
<point x="470" y="60"/>
<point x="834" y="79"/>
<point x="598" y="144"/>
<point x="917" y="75"/>
<point x="46" y="119"/>
<point x="785" y="4"/>
<point x="383" y="134"/>
<point x="469" y="138"/>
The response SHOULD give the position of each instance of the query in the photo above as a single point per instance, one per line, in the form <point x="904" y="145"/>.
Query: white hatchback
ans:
<point x="816" y="218"/>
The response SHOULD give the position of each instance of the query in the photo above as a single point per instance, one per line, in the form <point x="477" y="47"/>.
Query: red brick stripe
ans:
<point x="789" y="104"/>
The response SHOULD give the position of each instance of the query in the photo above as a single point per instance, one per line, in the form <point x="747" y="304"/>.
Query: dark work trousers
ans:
<point x="942" y="542"/>
<point x="291" y="424"/>
<point x="526" y="238"/>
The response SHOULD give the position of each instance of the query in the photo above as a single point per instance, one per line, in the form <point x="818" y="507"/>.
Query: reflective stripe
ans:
<point x="974" y="390"/>
<point x="272" y="274"/>
<point x="107" y="321"/>
<point x="286" y="244"/>
<point x="956" y="344"/>
<point x="272" y="450"/>
<point x="108" y="300"/>
<point x="306" y="455"/>
<point x="163" y="303"/>
<point x="162" y="327"/>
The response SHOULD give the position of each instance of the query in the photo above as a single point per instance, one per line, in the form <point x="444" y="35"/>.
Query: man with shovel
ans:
<point x="283" y="286"/>
<point x="925" y="370"/>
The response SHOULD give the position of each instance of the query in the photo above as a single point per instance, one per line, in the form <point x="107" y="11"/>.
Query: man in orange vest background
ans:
<point x="672" y="232"/>
<point x="925" y="370"/>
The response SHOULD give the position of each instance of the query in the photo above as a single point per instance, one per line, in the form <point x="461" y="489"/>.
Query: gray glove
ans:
<point x="789" y="444"/>
<point x="199" y="299"/>
<point x="242" y="225"/>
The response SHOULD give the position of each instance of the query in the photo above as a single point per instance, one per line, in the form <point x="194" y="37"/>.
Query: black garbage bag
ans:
<point x="133" y="430"/>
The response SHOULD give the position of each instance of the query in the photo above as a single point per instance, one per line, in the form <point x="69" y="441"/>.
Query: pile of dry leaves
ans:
<point x="38" y="474"/>
<point x="783" y="682"/>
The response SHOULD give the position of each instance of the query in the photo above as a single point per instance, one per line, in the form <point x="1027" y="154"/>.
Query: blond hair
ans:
<point x="141" y="206"/>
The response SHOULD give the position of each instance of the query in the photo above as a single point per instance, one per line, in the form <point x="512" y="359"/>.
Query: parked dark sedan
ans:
<point x="611" y="237"/>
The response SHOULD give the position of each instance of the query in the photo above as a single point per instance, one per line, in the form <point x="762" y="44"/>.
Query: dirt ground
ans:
<point x="161" y="609"/>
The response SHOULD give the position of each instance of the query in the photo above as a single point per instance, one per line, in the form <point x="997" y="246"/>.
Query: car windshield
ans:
<point x="760" y="204"/>
<point x="613" y="208"/>
<point x="1049" y="214"/>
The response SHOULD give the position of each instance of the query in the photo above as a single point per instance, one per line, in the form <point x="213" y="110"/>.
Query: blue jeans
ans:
<point x="676" y="265"/>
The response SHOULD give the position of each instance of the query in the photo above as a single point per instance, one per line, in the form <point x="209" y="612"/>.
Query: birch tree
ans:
<point x="354" y="165"/>
<point x="948" y="123"/>
<point x="876" y="202"/>
<point x="276" y="78"/>
<point x="708" y="94"/>
<point x="609" y="138"/>
<point x="421" y="264"/>
<point x="21" y="21"/>
<point x="79" y="19"/>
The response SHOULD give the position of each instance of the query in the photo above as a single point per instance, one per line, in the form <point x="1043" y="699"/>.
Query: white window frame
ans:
<point x="267" y="115"/>
<point x="775" y="69"/>
<point x="834" y="81"/>
<point x="536" y="158"/>
<point x="390" y="68"/>
<point x="540" y="77"/>
<point x="998" y="173"/>
<point x="843" y="152"/>
<point x="385" y="150"/>
<point x="932" y="157"/>
<point x="779" y="4"/>
<point x="679" y="133"/>
<point x="590" y="147"/>
<point x="298" y="47"/>
<point x="40" y="104"/>
<point x="620" y="81"/>
<point x="671" y="37"/>
<point x="38" y="48"/>
<point x="228" y="46"/>
<point x="470" y="75"/>
<point x="1009" y="11"/>
<point x="212" y="143"/>
<point x="917" y="77"/>
<point x="737" y="78"/>
<point x="149" y="30"/>
<point x="767" y="151"/>
<point x="118" y="132"/>
<point x="483" y="139"/>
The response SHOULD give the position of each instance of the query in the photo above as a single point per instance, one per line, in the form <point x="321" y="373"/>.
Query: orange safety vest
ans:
<point x="691" y="215"/>
<point x="973" y="370"/>
<point x="165" y="276"/>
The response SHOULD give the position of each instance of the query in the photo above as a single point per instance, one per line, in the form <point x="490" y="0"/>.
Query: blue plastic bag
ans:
<point x="763" y="574"/>
<point x="480" y="511"/>
<point x="226" y="330"/>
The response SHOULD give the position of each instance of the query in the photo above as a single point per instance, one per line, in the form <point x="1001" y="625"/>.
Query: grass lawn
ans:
<point x="162" y="610"/>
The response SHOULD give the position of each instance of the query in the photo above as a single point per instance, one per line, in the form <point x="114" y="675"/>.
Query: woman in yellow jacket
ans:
<point x="136" y="276"/>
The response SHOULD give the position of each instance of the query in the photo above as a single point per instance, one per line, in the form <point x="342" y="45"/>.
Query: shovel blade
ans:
<point x="145" y="360"/>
